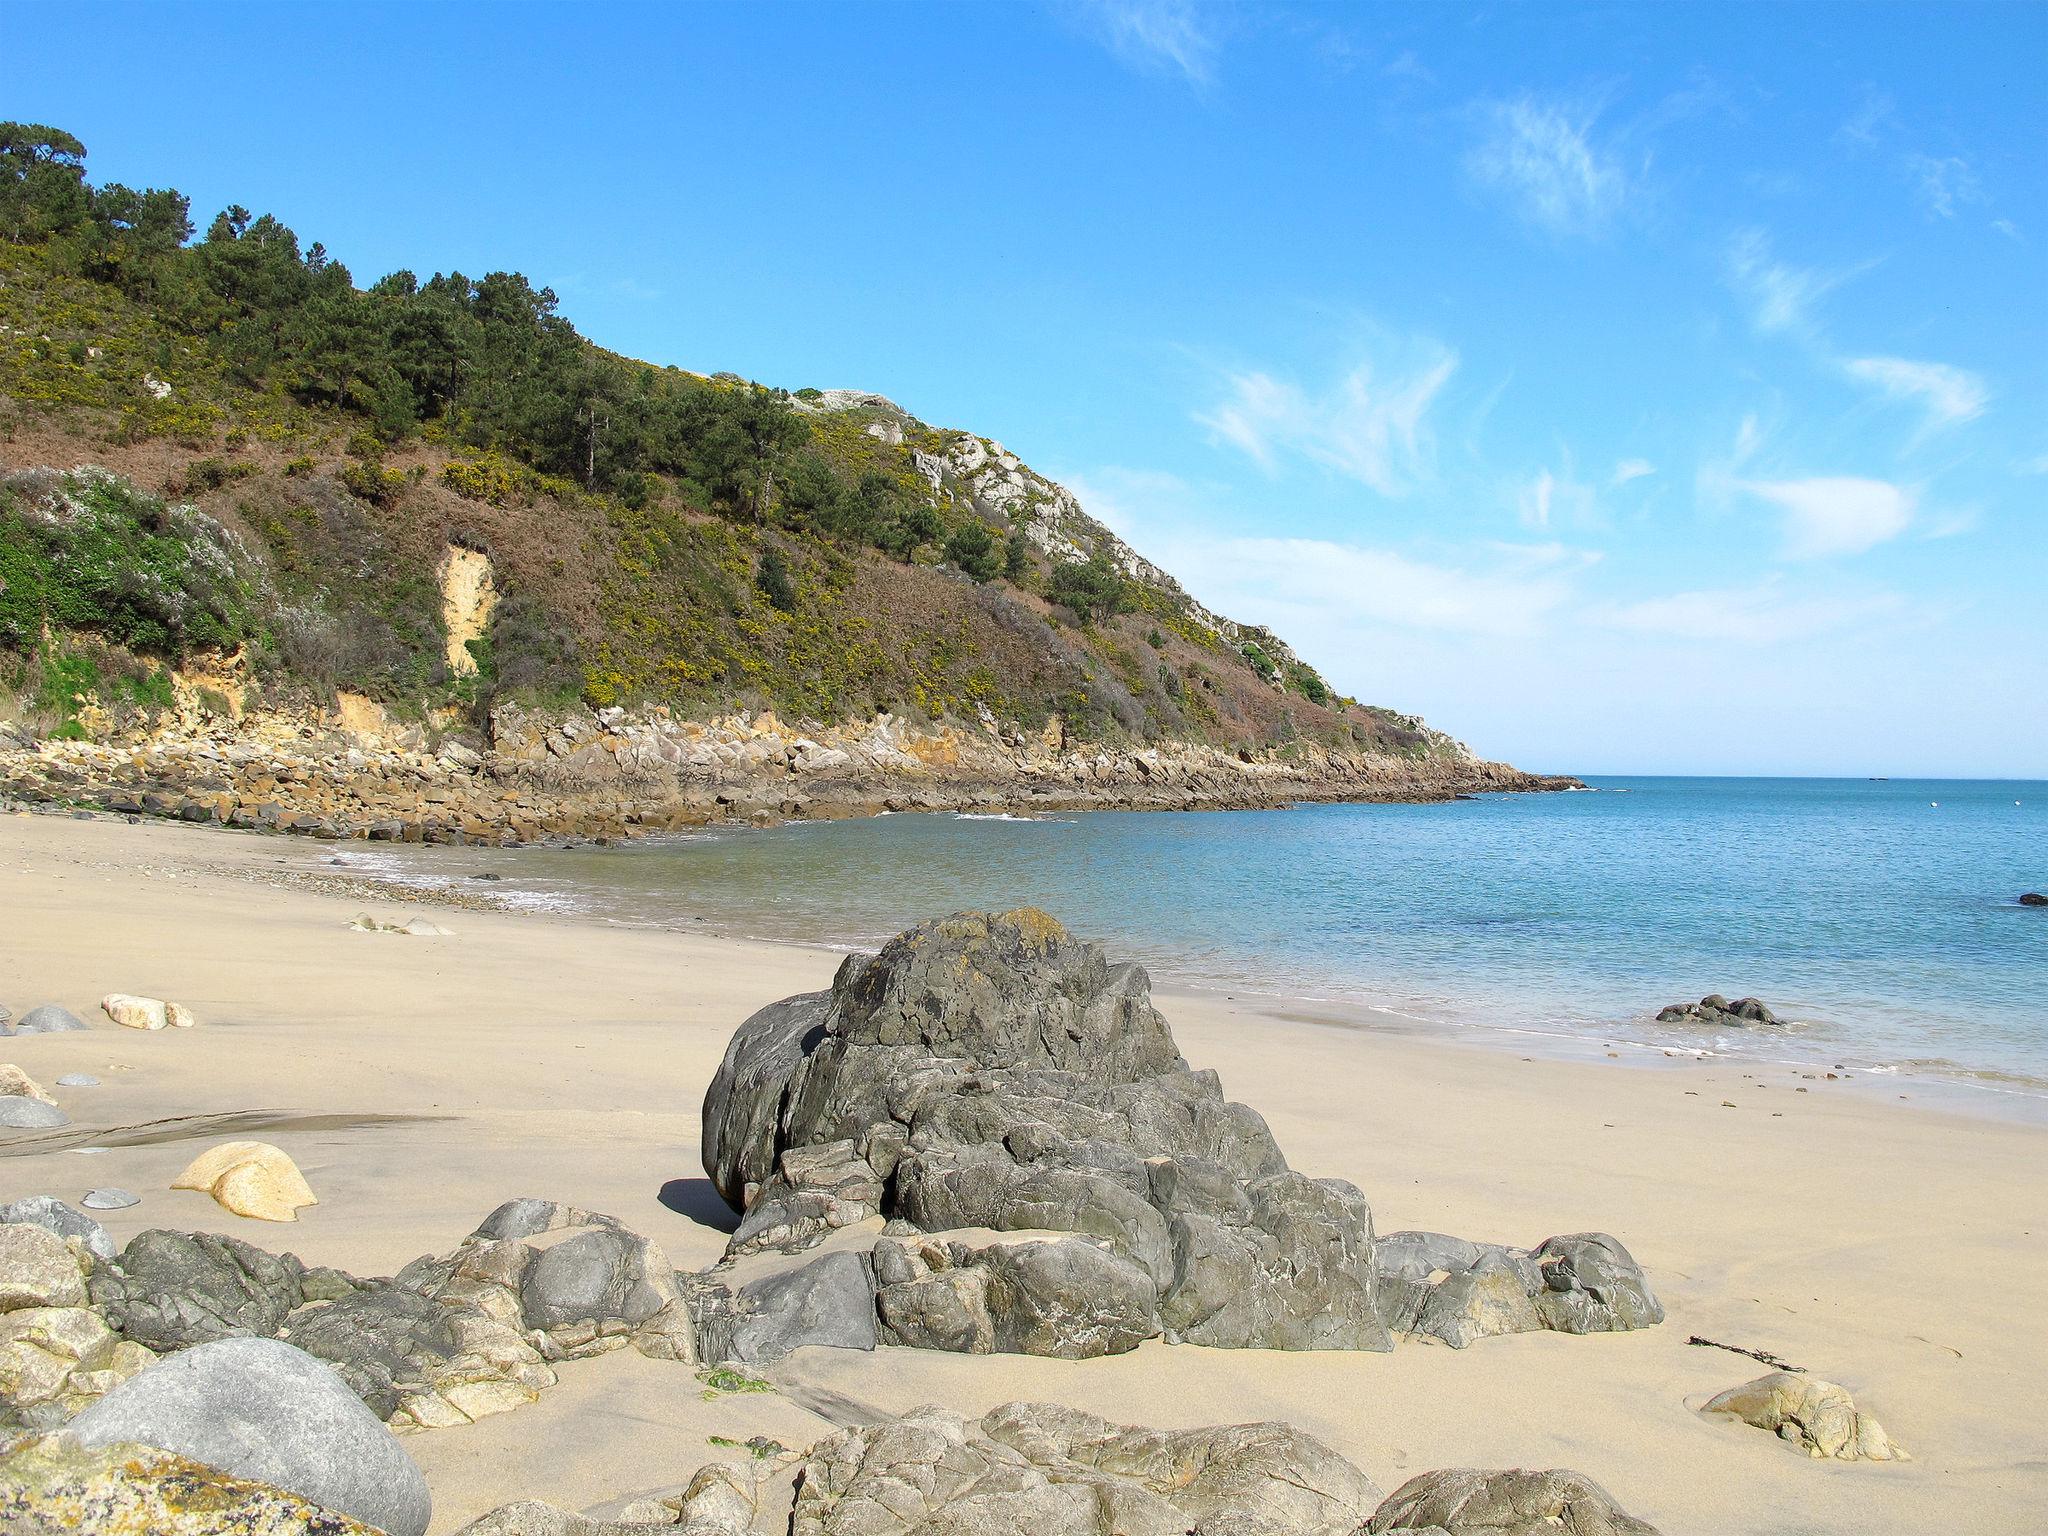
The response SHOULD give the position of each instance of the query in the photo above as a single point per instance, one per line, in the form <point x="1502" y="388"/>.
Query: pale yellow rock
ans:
<point x="14" y="1081"/>
<point x="480" y="1399"/>
<point x="38" y="1269"/>
<point x="145" y="1012"/>
<point x="1815" y="1416"/>
<point x="66" y="1355"/>
<point x="249" y="1178"/>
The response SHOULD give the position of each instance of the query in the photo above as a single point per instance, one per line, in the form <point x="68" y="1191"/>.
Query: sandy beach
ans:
<point x="1899" y="1247"/>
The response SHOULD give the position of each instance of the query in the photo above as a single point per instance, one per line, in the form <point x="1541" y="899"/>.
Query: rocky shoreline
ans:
<point x="353" y="773"/>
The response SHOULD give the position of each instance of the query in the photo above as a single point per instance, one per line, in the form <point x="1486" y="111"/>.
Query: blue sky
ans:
<point x="1647" y="388"/>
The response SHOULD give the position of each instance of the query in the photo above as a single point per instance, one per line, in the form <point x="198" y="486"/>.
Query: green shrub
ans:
<point x="373" y="484"/>
<point x="91" y="553"/>
<point x="1016" y="556"/>
<point x="1089" y="589"/>
<point x="203" y="475"/>
<point x="772" y="577"/>
<point x="973" y="548"/>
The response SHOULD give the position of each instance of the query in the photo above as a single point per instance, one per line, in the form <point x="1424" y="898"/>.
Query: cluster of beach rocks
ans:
<point x="608" y="774"/>
<point x="1042" y="1173"/>
<point x="192" y="1383"/>
<point x="982" y="1139"/>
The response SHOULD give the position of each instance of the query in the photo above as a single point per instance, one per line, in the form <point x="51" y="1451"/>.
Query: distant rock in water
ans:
<point x="1745" y="1013"/>
<point x="2034" y="899"/>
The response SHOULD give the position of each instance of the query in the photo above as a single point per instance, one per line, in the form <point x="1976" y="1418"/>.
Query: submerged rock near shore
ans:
<point x="1716" y="1010"/>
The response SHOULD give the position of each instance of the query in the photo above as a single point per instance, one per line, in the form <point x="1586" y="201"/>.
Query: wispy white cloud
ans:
<point x="1874" y="115"/>
<point x="1781" y="296"/>
<point x="1949" y="396"/>
<point x="1170" y="37"/>
<point x="1764" y="613"/>
<point x="1371" y="425"/>
<point x="1942" y="182"/>
<point x="1836" y="514"/>
<point x="1552" y="498"/>
<point x="1330" y="586"/>
<point x="1548" y="161"/>
<point x="1631" y="469"/>
<point x="1327" y="594"/>
<point x="2010" y="230"/>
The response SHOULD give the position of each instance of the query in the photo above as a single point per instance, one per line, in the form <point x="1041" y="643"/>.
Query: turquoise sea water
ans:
<point x="1879" y="915"/>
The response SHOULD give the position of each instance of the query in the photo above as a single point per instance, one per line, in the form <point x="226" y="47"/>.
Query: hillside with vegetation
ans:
<point x="283" y="463"/>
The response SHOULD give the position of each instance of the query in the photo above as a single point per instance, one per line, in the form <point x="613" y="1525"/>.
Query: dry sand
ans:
<point x="1900" y="1248"/>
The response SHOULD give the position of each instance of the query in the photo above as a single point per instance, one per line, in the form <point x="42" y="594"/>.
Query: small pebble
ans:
<point x="110" y="1200"/>
<point x="78" y="1080"/>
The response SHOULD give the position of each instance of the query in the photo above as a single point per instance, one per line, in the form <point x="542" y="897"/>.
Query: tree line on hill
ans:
<point x="488" y="361"/>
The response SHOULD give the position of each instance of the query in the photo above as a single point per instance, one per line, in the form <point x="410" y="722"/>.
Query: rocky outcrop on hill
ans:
<point x="992" y="1075"/>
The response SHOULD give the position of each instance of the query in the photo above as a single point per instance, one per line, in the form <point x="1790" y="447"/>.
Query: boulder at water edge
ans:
<point x="262" y="1410"/>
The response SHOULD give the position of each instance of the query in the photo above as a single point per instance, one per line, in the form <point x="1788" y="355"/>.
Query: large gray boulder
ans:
<point x="743" y="1108"/>
<point x="54" y="1215"/>
<point x="263" y="1410"/>
<point x="1591" y="1284"/>
<point x="1462" y="1501"/>
<point x="172" y="1290"/>
<point x="990" y="1071"/>
<point x="829" y="1302"/>
<point x="579" y="1280"/>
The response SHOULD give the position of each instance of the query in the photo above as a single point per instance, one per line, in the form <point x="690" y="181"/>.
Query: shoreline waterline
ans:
<point x="543" y="884"/>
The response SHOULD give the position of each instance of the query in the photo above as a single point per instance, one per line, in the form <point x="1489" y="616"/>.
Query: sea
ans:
<point x="1879" y="917"/>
